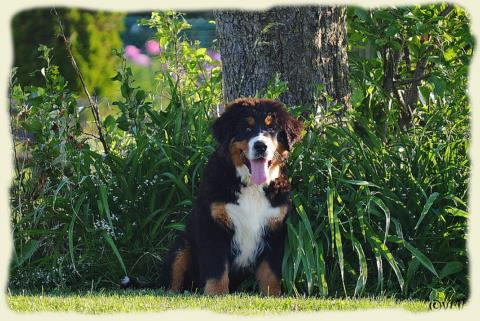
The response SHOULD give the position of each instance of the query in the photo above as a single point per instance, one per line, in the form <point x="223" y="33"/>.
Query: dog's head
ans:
<point x="257" y="133"/>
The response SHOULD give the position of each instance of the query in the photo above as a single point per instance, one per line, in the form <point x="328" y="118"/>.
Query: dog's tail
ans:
<point x="128" y="282"/>
<point x="175" y="273"/>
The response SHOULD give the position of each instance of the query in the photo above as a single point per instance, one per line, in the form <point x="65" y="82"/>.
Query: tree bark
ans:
<point x="306" y="46"/>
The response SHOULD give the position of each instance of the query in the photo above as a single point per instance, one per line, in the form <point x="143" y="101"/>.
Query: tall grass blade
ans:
<point x="426" y="208"/>
<point x="421" y="258"/>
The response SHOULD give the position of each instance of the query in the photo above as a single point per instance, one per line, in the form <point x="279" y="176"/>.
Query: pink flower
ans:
<point x="131" y="51"/>
<point x="141" y="59"/>
<point x="152" y="47"/>
<point x="135" y="55"/>
<point x="214" y="55"/>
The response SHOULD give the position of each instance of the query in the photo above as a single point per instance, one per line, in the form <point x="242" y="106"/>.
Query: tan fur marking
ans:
<point x="268" y="120"/>
<point x="250" y="121"/>
<point x="217" y="286"/>
<point x="236" y="150"/>
<point x="268" y="282"/>
<point x="220" y="215"/>
<point x="283" y="153"/>
<point x="276" y="222"/>
<point x="179" y="267"/>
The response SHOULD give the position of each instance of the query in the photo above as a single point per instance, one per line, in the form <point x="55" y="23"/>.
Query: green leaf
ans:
<point x="439" y="84"/>
<point x="356" y="182"/>
<point x="140" y="96"/>
<point x="123" y="123"/>
<point x="449" y="54"/>
<point x="303" y="215"/>
<point x="382" y="248"/>
<point x="456" y="212"/>
<point x="361" y="218"/>
<point x="451" y="268"/>
<point x="362" y="13"/>
<point x="339" y="246"/>
<point x="117" y="77"/>
<point x="392" y="30"/>
<point x="386" y="211"/>
<point x="27" y="251"/>
<point x="383" y="14"/>
<point x="357" y="97"/>
<point x="109" y="123"/>
<point x="421" y="258"/>
<point x="330" y="214"/>
<point x="363" y="270"/>
<point x="424" y="94"/>
<point x="413" y="265"/>
<point x="163" y="41"/>
<point x="426" y="207"/>
<point x="200" y="52"/>
<point x="110" y="242"/>
<point x="320" y="262"/>
<point x="34" y="126"/>
<point x="105" y="207"/>
<point x="76" y="208"/>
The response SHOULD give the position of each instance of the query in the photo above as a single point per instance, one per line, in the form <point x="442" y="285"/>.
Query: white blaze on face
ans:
<point x="267" y="140"/>
<point x="259" y="167"/>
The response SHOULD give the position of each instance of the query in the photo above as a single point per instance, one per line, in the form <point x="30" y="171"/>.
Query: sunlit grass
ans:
<point x="156" y="301"/>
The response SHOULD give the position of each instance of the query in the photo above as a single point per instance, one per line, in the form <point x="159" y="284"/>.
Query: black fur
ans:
<point x="207" y="241"/>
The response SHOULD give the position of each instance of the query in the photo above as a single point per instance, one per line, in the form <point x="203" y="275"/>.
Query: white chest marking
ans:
<point x="249" y="218"/>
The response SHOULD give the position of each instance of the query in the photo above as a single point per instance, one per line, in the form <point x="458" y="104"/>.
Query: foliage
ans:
<point x="424" y="47"/>
<point x="106" y="213"/>
<point x="386" y="196"/>
<point x="379" y="205"/>
<point x="93" y="36"/>
<point x="379" y="215"/>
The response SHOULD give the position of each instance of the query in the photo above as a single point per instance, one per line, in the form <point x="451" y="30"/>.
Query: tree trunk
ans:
<point x="307" y="46"/>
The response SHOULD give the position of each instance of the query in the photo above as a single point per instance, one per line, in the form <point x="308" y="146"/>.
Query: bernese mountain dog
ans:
<point x="237" y="226"/>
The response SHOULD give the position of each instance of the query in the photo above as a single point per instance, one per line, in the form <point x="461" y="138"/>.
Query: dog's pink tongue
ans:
<point x="259" y="169"/>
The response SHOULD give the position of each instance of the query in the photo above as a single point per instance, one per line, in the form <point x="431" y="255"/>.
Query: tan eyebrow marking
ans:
<point x="250" y="121"/>
<point x="268" y="120"/>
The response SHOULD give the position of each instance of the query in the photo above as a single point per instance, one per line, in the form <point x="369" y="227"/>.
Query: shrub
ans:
<point x="82" y="218"/>
<point x="93" y="36"/>
<point x="377" y="216"/>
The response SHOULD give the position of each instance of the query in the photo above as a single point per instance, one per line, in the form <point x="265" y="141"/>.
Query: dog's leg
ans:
<point x="180" y="266"/>
<point x="269" y="269"/>
<point x="214" y="239"/>
<point x="178" y="263"/>
<point x="268" y="281"/>
<point x="215" y="249"/>
<point x="216" y="286"/>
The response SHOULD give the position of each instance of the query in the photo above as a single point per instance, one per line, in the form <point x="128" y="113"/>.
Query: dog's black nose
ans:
<point x="260" y="147"/>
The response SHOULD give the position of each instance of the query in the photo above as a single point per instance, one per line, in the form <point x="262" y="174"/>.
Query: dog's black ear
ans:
<point x="292" y="132"/>
<point x="223" y="127"/>
<point x="218" y="128"/>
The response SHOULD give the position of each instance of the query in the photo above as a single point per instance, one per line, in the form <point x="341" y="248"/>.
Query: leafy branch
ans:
<point x="93" y="104"/>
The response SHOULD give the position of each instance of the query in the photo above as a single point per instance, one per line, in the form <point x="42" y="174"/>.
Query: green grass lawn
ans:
<point x="153" y="301"/>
